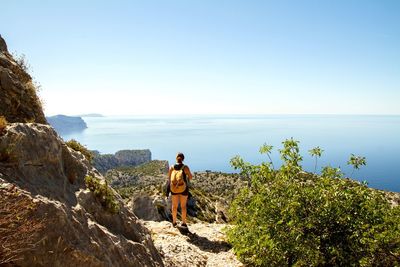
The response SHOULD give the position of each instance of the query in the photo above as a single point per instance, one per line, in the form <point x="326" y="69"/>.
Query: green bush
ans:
<point x="75" y="145"/>
<point x="103" y="193"/>
<point x="288" y="217"/>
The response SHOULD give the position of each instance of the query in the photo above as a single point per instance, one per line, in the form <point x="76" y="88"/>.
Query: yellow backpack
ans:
<point x="178" y="183"/>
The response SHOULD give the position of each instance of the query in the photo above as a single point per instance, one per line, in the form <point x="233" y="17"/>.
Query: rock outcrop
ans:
<point x="66" y="124"/>
<point x="3" y="45"/>
<point x="18" y="99"/>
<point x="145" y="207"/>
<point x="77" y="230"/>
<point x="50" y="215"/>
<point x="122" y="158"/>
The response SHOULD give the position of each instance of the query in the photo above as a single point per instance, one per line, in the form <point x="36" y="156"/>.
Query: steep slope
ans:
<point x="51" y="213"/>
<point x="18" y="99"/>
<point x="77" y="230"/>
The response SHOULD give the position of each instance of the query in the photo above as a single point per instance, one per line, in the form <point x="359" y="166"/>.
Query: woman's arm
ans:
<point x="170" y="172"/>
<point x="188" y="173"/>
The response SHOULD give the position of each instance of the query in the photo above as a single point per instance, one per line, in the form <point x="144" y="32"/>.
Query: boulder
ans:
<point x="145" y="207"/>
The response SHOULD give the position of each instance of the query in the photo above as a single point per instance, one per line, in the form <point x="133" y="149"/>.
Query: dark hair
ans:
<point x="180" y="157"/>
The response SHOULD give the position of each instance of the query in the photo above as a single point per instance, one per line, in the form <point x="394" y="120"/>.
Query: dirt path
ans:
<point x="203" y="245"/>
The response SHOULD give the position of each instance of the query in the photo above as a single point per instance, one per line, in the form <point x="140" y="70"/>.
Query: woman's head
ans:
<point x="180" y="157"/>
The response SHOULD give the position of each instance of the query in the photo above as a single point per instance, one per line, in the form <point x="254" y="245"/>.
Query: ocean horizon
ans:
<point x="210" y="141"/>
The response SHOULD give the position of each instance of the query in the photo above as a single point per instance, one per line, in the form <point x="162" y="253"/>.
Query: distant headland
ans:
<point x="66" y="124"/>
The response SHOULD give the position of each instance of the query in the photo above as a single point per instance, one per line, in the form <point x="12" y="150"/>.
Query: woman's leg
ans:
<point x="183" y="200"/>
<point x="175" y="202"/>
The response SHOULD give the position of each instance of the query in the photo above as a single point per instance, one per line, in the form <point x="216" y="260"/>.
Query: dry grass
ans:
<point x="3" y="124"/>
<point x="18" y="231"/>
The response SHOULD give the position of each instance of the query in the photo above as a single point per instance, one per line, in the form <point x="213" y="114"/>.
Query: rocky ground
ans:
<point x="203" y="245"/>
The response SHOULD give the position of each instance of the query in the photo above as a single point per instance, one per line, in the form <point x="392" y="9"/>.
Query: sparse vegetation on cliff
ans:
<point x="19" y="99"/>
<point x="25" y="74"/>
<point x="103" y="193"/>
<point x="75" y="145"/>
<point x="22" y="62"/>
<point x="288" y="217"/>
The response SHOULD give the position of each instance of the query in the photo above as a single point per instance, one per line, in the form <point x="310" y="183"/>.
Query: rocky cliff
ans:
<point x="77" y="229"/>
<point x="18" y="99"/>
<point x="55" y="205"/>
<point x="122" y="158"/>
<point x="66" y="124"/>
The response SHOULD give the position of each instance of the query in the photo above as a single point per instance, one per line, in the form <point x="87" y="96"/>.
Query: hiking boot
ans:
<point x="174" y="224"/>
<point x="184" y="225"/>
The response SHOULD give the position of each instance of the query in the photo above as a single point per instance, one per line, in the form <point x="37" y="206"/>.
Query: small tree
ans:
<point x="316" y="152"/>
<point x="356" y="162"/>
<point x="290" y="154"/>
<point x="267" y="149"/>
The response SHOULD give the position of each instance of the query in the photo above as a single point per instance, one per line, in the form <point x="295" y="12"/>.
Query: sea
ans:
<point x="209" y="142"/>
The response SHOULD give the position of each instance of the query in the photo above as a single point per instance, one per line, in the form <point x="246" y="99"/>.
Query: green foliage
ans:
<point x="103" y="193"/>
<point x="75" y="145"/>
<point x="356" y="162"/>
<point x="317" y="153"/>
<point x="330" y="172"/>
<point x="267" y="149"/>
<point x="291" y="218"/>
<point x="291" y="158"/>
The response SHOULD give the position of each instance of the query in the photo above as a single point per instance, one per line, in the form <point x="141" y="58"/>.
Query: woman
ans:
<point x="182" y="196"/>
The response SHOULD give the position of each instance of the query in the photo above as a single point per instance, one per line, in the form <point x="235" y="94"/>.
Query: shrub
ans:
<point x="22" y="62"/>
<point x="103" y="193"/>
<point x="289" y="217"/>
<point x="75" y="145"/>
<point x="3" y="124"/>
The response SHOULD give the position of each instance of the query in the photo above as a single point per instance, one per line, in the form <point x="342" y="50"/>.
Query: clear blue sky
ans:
<point x="210" y="57"/>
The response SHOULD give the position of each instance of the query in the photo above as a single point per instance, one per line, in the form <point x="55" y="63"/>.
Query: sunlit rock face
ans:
<point x="18" y="99"/>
